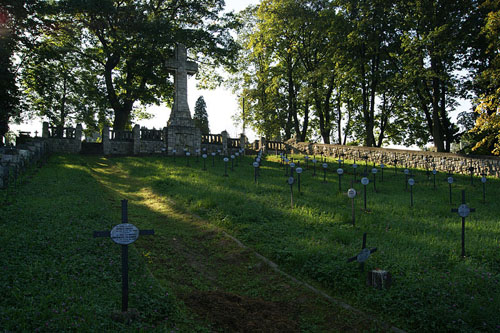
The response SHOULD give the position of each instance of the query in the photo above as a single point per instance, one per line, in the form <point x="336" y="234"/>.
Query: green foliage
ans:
<point x="111" y="55"/>
<point x="55" y="276"/>
<point x="201" y="116"/>
<point x="434" y="289"/>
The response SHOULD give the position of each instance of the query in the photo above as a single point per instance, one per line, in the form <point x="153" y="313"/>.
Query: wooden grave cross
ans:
<point x="124" y="234"/>
<point x="463" y="210"/>
<point x="363" y="255"/>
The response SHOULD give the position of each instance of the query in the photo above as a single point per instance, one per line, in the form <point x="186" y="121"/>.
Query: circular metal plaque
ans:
<point x="374" y="170"/>
<point x="314" y="161"/>
<point x="298" y="170"/>
<point x="232" y="157"/>
<point x="174" y="151"/>
<point x="340" y="171"/>
<point x="287" y="160"/>
<point x="226" y="159"/>
<point x="434" y="171"/>
<point x="483" y="179"/>
<point x="197" y="150"/>
<point x="463" y="210"/>
<point x="292" y="165"/>
<point x="363" y="255"/>
<point x="124" y="233"/>
<point x="290" y="180"/>
<point x="351" y="193"/>
<point x="258" y="160"/>
<point x="237" y="154"/>
<point x="382" y="165"/>
<point x="204" y="155"/>
<point x="407" y="171"/>
<point x="354" y="165"/>
<point x="213" y="154"/>
<point x="255" y="164"/>
<point x="450" y="180"/>
<point x="411" y="181"/>
<point x="188" y="153"/>
<point x="365" y="181"/>
<point x="325" y="165"/>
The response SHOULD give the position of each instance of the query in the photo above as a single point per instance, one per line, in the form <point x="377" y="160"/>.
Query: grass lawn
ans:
<point x="56" y="276"/>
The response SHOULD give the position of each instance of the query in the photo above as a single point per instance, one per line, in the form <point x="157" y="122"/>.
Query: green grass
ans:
<point x="434" y="289"/>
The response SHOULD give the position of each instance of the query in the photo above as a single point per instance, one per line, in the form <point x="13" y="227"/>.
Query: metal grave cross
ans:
<point x="124" y="234"/>
<point x="363" y="255"/>
<point x="463" y="210"/>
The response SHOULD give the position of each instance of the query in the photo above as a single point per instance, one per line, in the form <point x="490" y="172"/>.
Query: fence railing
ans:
<point x="214" y="139"/>
<point x="275" y="145"/>
<point x="233" y="143"/>
<point x="121" y="135"/>
<point x="62" y="132"/>
<point x="152" y="134"/>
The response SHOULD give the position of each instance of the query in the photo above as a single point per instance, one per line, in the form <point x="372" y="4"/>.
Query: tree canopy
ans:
<point x="373" y="72"/>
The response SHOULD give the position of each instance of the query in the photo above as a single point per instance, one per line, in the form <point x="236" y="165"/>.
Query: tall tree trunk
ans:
<point x="303" y="134"/>
<point x="339" y="117"/>
<point x="437" y="131"/>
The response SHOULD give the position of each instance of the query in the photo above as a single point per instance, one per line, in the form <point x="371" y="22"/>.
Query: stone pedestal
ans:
<point x="183" y="135"/>
<point x="379" y="279"/>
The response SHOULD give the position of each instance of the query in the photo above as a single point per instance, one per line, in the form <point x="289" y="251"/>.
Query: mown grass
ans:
<point x="47" y="229"/>
<point x="54" y="276"/>
<point x="434" y="288"/>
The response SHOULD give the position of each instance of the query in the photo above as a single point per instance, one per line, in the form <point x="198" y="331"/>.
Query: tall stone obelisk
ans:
<point x="182" y="132"/>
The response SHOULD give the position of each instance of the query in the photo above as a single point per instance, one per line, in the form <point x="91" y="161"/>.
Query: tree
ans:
<point x="436" y="40"/>
<point x="201" y="116"/>
<point x="487" y="126"/>
<point x="125" y="44"/>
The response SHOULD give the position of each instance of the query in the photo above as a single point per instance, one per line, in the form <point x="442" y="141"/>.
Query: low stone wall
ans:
<point x="152" y="147"/>
<point x="14" y="161"/>
<point x="445" y="162"/>
<point x="120" y="148"/>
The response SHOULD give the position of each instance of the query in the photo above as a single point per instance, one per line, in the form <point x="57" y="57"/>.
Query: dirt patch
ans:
<point x="233" y="313"/>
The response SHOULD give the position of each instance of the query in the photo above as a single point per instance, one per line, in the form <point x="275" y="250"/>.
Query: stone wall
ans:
<point x="63" y="144"/>
<point x="14" y="161"/>
<point x="445" y="162"/>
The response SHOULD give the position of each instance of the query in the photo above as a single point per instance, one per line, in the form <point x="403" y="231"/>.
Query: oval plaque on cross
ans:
<point x="325" y="165"/>
<point x="354" y="165"/>
<point x="463" y="210"/>
<point x="255" y="164"/>
<point x="365" y="181"/>
<point x="450" y="180"/>
<point x="374" y="170"/>
<point x="124" y="233"/>
<point x="290" y="181"/>
<point x="299" y="170"/>
<point x="340" y="171"/>
<point x="483" y="179"/>
<point x="434" y="171"/>
<point x="363" y="255"/>
<point x="351" y="193"/>
<point x="226" y="159"/>
<point x="411" y="181"/>
<point x="407" y="172"/>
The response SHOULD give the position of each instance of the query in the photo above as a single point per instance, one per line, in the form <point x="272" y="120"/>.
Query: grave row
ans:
<point x="14" y="161"/>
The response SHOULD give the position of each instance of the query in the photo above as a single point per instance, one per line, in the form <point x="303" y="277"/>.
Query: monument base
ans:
<point x="183" y="138"/>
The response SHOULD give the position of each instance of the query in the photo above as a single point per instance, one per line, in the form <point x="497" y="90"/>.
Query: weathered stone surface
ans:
<point x="182" y="132"/>
<point x="444" y="162"/>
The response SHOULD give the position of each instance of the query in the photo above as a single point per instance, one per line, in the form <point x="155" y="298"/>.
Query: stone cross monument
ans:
<point x="182" y="132"/>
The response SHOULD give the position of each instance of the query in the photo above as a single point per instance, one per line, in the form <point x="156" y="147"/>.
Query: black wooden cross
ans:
<point x="363" y="255"/>
<point x="463" y="210"/>
<point x="471" y="170"/>
<point x="124" y="234"/>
